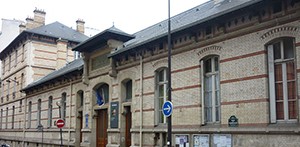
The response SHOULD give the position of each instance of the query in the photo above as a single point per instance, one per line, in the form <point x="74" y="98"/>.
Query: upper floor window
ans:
<point x="1" y="116"/>
<point x="282" y="80"/>
<point x="127" y="90"/>
<point x="16" y="57"/>
<point x="9" y="62"/>
<point x="161" y="84"/>
<point x="102" y="94"/>
<point x="3" y="66"/>
<point x="39" y="111"/>
<point x="29" y="115"/>
<point x="50" y="107"/>
<point x="77" y="55"/>
<point x="6" y="122"/>
<point x="13" y="118"/>
<point x="23" y="52"/>
<point x="210" y="81"/>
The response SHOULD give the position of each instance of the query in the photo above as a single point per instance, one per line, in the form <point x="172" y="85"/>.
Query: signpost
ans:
<point x="60" y="123"/>
<point x="167" y="108"/>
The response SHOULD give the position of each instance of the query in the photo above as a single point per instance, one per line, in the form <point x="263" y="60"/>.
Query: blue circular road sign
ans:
<point x="167" y="108"/>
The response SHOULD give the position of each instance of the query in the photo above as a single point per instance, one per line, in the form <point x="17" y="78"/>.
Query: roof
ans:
<point x="187" y="19"/>
<point x="56" y="30"/>
<point x="59" y="30"/>
<point x="101" y="39"/>
<point x="75" y="65"/>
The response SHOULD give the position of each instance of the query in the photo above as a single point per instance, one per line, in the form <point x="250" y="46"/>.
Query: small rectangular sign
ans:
<point x="114" y="114"/>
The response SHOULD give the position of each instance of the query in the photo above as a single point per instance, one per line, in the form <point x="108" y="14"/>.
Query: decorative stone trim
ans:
<point x="280" y="31"/>
<point x="210" y="48"/>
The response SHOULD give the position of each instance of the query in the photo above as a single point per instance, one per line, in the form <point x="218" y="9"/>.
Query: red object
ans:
<point x="60" y="123"/>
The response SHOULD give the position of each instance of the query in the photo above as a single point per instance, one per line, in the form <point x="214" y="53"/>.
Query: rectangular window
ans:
<point x="39" y="111"/>
<point x="20" y="106"/>
<point x="16" y="57"/>
<point x="282" y="80"/>
<point x="23" y="52"/>
<point x="13" y="117"/>
<point x="1" y="116"/>
<point x="211" y="90"/>
<point x="3" y="66"/>
<point x="50" y="107"/>
<point x="128" y="90"/>
<point x="9" y="62"/>
<point x="29" y="115"/>
<point x="6" y="122"/>
<point x="161" y="94"/>
<point x="8" y="87"/>
<point x="14" y="90"/>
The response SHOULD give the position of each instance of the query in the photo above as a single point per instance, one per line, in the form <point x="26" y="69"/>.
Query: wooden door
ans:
<point x="128" y="127"/>
<point x="102" y="124"/>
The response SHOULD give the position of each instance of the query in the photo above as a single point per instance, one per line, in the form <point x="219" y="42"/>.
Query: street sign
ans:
<point x="60" y="123"/>
<point x="167" y="108"/>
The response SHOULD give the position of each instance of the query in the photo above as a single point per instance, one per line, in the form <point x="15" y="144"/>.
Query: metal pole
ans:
<point x="61" y="141"/>
<point x="169" y="139"/>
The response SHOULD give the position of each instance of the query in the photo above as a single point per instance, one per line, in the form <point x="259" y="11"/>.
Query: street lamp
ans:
<point x="40" y="127"/>
<point x="58" y="103"/>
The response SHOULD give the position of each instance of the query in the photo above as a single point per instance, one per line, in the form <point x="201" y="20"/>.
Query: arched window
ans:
<point x="282" y="80"/>
<point x="161" y="84"/>
<point x="210" y="81"/>
<point x="63" y="106"/>
<point x="50" y="107"/>
<point x="102" y="93"/>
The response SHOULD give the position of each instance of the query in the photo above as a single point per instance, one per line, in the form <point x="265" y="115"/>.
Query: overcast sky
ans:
<point x="128" y="15"/>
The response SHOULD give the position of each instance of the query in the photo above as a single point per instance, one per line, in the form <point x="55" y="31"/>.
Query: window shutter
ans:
<point x="271" y="84"/>
<point x="202" y="93"/>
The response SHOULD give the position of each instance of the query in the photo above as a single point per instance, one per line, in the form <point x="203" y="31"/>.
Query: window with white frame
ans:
<point x="63" y="106"/>
<point x="50" y="107"/>
<point x="29" y="115"/>
<point x="282" y="80"/>
<point x="161" y="94"/>
<point x="210" y="81"/>
<point x="39" y="111"/>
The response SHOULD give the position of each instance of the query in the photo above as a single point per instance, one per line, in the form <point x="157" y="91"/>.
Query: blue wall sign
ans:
<point x="167" y="108"/>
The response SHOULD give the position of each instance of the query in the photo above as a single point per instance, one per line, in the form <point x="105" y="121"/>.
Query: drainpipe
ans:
<point x="141" y="100"/>
<point x="70" y="107"/>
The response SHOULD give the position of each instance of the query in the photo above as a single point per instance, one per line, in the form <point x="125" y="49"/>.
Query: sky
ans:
<point x="128" y="15"/>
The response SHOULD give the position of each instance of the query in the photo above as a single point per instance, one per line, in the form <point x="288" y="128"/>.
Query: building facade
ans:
<point x="235" y="75"/>
<point x="38" y="50"/>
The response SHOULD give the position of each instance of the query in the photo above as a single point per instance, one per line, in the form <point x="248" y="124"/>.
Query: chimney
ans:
<point x="22" y="27"/>
<point x="29" y="23"/>
<point x="80" y="26"/>
<point x="39" y="18"/>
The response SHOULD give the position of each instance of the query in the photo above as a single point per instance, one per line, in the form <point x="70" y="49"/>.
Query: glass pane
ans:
<point x="279" y="91"/>
<point x="291" y="90"/>
<point x="217" y="98"/>
<point x="217" y="114"/>
<point x="217" y="82"/>
<point x="278" y="72"/>
<point x="290" y="71"/>
<point x="208" y="83"/>
<point x="160" y="103"/>
<point x="288" y="48"/>
<point x="277" y="51"/>
<point x="161" y="90"/>
<point x="207" y="66"/>
<point x="216" y="64"/>
<point x="207" y="100"/>
<point x="129" y="89"/>
<point x="279" y="110"/>
<point x="292" y="110"/>
<point x="161" y="76"/>
<point x="208" y="115"/>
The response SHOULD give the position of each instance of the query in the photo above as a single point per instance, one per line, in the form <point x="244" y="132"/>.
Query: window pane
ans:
<point x="208" y="83"/>
<point x="278" y="72"/>
<point x="217" y="98"/>
<point x="217" y="113"/>
<point x="277" y="51"/>
<point x="279" y="110"/>
<point x="217" y="82"/>
<point x="208" y="114"/>
<point x="290" y="71"/>
<point x="279" y="91"/>
<point x="216" y="64"/>
<point x="161" y="76"/>
<point x="129" y="89"/>
<point x="292" y="110"/>
<point x="291" y="90"/>
<point x="208" y="66"/>
<point x="161" y="90"/>
<point x="288" y="48"/>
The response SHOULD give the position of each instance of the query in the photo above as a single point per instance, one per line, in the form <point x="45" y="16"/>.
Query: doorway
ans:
<point x="102" y="124"/>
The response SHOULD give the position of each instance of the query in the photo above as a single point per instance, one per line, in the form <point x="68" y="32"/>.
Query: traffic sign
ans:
<point x="60" y="123"/>
<point x="167" y="108"/>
